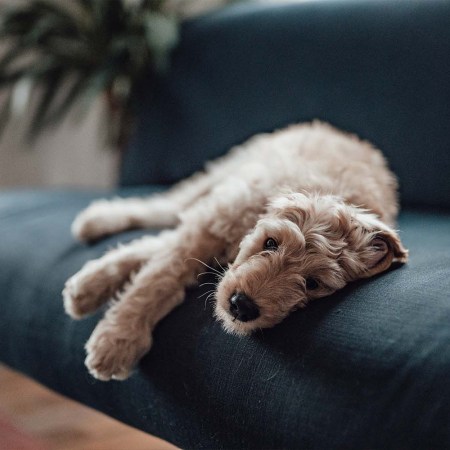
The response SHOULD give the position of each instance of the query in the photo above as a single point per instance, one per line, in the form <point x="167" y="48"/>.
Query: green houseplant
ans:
<point x="60" y="53"/>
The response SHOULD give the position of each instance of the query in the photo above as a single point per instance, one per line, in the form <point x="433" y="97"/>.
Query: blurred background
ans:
<point x="78" y="148"/>
<point x="70" y="154"/>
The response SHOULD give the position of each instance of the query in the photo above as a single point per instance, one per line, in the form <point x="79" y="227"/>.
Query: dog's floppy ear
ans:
<point x="383" y="247"/>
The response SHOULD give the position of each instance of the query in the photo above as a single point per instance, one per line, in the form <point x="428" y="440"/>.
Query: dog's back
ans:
<point x="316" y="157"/>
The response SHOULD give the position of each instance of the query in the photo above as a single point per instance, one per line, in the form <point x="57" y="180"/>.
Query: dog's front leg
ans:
<point x="100" y="280"/>
<point x="212" y="227"/>
<point x="125" y="333"/>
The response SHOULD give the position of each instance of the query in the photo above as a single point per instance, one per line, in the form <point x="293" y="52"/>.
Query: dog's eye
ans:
<point x="270" y="244"/>
<point x="311" y="284"/>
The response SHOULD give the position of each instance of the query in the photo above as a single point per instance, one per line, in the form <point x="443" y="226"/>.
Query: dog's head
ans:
<point x="305" y="247"/>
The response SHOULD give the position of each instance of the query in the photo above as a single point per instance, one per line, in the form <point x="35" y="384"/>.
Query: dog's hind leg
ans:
<point x="105" y="217"/>
<point x="100" y="280"/>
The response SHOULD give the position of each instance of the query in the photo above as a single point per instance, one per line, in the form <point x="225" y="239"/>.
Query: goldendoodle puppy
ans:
<point x="296" y="215"/>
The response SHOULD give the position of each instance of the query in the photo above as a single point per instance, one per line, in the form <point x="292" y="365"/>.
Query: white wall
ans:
<point x="73" y="154"/>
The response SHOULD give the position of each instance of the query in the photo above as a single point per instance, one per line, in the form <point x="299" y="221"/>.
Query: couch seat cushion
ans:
<point x="368" y="367"/>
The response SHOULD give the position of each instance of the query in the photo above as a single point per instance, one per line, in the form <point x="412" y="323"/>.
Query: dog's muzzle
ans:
<point x="243" y="308"/>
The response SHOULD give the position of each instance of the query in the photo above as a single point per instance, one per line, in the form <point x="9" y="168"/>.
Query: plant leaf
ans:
<point x="73" y="92"/>
<point x="5" y="113"/>
<point x="53" y="82"/>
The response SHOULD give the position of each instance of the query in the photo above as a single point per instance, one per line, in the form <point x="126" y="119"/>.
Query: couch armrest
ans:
<point x="377" y="68"/>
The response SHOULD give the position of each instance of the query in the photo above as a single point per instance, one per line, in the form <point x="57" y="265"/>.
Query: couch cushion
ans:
<point x="378" y="68"/>
<point x="365" y="368"/>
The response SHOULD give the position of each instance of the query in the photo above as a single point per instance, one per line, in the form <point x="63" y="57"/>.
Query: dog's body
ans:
<point x="297" y="214"/>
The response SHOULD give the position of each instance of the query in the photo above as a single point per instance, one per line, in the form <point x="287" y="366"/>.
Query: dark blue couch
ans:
<point x="368" y="367"/>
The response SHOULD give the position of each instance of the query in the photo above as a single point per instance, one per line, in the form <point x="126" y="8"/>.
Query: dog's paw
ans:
<point x="88" y="289"/>
<point x="76" y="306"/>
<point x="99" y="219"/>
<point x="112" y="353"/>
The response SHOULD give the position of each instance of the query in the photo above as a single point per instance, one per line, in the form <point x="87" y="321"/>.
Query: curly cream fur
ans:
<point x="327" y="199"/>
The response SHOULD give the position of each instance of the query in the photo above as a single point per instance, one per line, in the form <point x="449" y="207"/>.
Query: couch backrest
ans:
<point x="379" y="68"/>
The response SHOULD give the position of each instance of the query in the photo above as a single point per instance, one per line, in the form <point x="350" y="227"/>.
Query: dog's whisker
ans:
<point x="209" y="273"/>
<point x="209" y="294"/>
<point x="206" y="265"/>
<point x="207" y="299"/>
<point x="205" y="284"/>
<point x="205" y="293"/>
<point x="220" y="265"/>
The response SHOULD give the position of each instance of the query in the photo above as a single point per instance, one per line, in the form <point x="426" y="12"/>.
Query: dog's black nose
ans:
<point x="243" y="308"/>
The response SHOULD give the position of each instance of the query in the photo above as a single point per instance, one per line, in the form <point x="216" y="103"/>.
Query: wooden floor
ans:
<point x="33" y="417"/>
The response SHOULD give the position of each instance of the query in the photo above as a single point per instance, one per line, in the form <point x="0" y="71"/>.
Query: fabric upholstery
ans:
<point x="378" y="68"/>
<point x="365" y="368"/>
